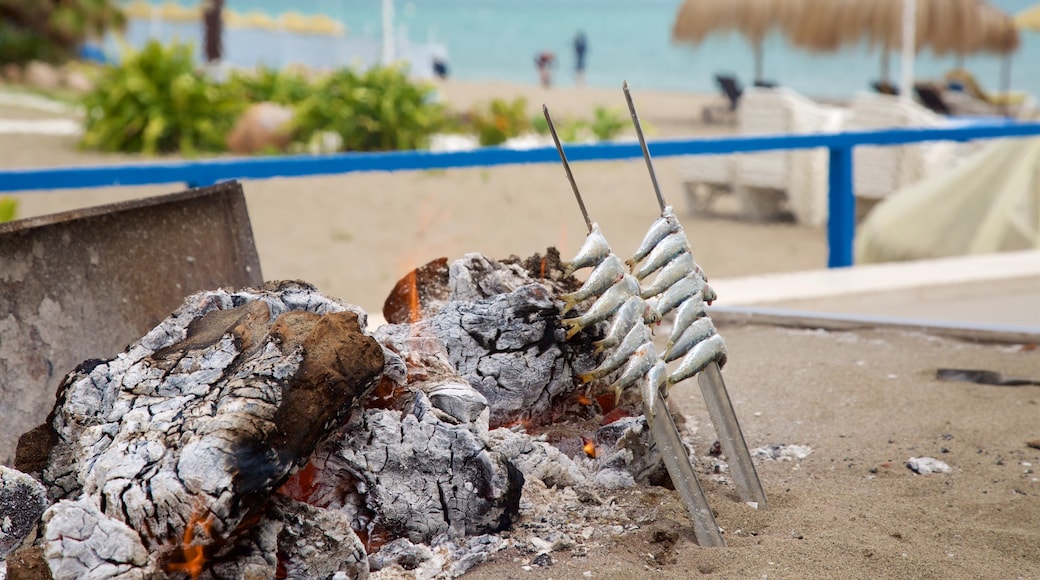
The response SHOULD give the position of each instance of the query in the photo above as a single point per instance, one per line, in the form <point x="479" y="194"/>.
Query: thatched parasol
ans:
<point x="1029" y="19"/>
<point x="755" y="19"/>
<point x="958" y="27"/>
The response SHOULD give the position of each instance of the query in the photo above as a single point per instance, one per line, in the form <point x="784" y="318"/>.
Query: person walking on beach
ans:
<point x="581" y="45"/>
<point x="544" y="62"/>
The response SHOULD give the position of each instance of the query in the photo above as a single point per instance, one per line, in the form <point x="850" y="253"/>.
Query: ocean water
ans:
<point x="628" y="40"/>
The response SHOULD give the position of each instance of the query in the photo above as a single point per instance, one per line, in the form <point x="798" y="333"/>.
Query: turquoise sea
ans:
<point x="628" y="39"/>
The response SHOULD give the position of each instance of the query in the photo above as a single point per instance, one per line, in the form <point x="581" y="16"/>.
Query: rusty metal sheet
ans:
<point x="83" y="284"/>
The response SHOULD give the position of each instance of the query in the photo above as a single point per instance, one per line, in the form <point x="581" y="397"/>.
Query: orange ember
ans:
<point x="413" y="297"/>
<point x="301" y="485"/>
<point x="541" y="272"/>
<point x="192" y="559"/>
<point x="589" y="447"/>
<point x="584" y="400"/>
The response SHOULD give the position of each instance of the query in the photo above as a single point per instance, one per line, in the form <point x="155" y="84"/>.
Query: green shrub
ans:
<point x="569" y="130"/>
<point x="500" y="120"/>
<point x="52" y="29"/>
<point x="378" y="110"/>
<point x="21" y="45"/>
<point x="267" y="84"/>
<point x="156" y="102"/>
<point x="8" y="209"/>
<point x="607" y="123"/>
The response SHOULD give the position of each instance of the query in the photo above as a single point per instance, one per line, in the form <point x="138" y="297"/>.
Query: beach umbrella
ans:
<point x="257" y="19"/>
<point x="174" y="12"/>
<point x="321" y="24"/>
<point x="754" y="19"/>
<point x="959" y="27"/>
<point x="988" y="203"/>
<point x="1029" y="19"/>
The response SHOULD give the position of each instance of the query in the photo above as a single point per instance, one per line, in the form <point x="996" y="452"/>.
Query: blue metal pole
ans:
<point x="841" y="214"/>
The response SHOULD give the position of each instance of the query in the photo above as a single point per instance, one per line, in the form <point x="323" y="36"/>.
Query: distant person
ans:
<point x="544" y="62"/>
<point x="440" y="67"/>
<point x="581" y="46"/>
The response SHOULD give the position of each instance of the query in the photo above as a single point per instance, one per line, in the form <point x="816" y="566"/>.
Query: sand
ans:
<point x="354" y="235"/>
<point x="864" y="401"/>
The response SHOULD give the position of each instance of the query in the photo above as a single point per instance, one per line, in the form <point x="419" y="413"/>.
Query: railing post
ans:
<point x="841" y="214"/>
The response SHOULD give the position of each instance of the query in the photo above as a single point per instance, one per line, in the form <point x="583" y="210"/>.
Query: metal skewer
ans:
<point x="642" y="143"/>
<point x="567" y="168"/>
<point x="662" y="427"/>
<point x="713" y="387"/>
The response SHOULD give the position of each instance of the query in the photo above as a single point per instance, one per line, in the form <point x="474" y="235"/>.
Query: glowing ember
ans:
<point x="191" y="558"/>
<point x="589" y="447"/>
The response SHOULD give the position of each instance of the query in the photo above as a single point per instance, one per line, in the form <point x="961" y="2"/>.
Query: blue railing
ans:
<point x="841" y="222"/>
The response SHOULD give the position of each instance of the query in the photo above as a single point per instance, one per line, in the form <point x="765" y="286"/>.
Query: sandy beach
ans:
<point x="864" y="400"/>
<point x="355" y="235"/>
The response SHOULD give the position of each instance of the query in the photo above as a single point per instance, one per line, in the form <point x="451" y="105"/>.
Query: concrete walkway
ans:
<point x="981" y="290"/>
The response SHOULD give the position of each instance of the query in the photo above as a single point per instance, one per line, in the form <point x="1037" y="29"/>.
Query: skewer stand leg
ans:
<point x="677" y="461"/>
<point x="720" y="408"/>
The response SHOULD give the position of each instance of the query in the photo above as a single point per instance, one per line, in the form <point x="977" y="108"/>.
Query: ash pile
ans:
<point x="267" y="433"/>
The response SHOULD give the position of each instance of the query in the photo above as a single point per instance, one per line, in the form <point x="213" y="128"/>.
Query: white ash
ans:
<point x="781" y="452"/>
<point x="926" y="465"/>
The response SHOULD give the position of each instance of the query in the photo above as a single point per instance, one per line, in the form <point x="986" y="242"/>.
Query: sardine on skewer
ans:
<point x="606" y="273"/>
<point x="638" y="365"/>
<point x="634" y="311"/>
<point x="668" y="223"/>
<point x="701" y="330"/>
<point x="670" y="247"/>
<point x="608" y="303"/>
<point x="654" y="383"/>
<point x="701" y="355"/>
<point x="679" y="292"/>
<point x="673" y="271"/>
<point x="636" y="337"/>
<point x="594" y="250"/>
<point x="690" y="310"/>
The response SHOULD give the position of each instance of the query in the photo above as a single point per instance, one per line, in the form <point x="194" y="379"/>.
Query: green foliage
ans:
<point x="377" y="110"/>
<point x="52" y="29"/>
<point x="156" y="102"/>
<point x="267" y="84"/>
<point x="8" y="209"/>
<point x="20" y="45"/>
<point x="607" y="123"/>
<point x="500" y="120"/>
<point x="569" y="130"/>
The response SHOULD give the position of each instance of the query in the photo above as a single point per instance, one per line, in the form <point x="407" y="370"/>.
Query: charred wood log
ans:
<point x="166" y="455"/>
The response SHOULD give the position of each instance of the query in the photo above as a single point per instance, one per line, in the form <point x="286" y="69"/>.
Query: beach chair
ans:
<point x="879" y="171"/>
<point x="884" y="88"/>
<point x="731" y="89"/>
<point x="768" y="185"/>
<point x="967" y="94"/>
<point x="931" y="96"/>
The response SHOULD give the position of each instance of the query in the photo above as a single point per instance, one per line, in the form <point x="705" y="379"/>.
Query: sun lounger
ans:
<point x="769" y="184"/>
<point x="880" y="171"/>
<point x="731" y="89"/>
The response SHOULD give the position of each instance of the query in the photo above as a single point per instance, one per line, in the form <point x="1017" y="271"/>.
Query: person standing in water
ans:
<point x="581" y="45"/>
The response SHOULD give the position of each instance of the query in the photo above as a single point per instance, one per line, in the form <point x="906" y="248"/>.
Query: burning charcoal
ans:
<point x="419" y="294"/>
<point x="180" y="440"/>
<point x="22" y="501"/>
<point x="412" y="475"/>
